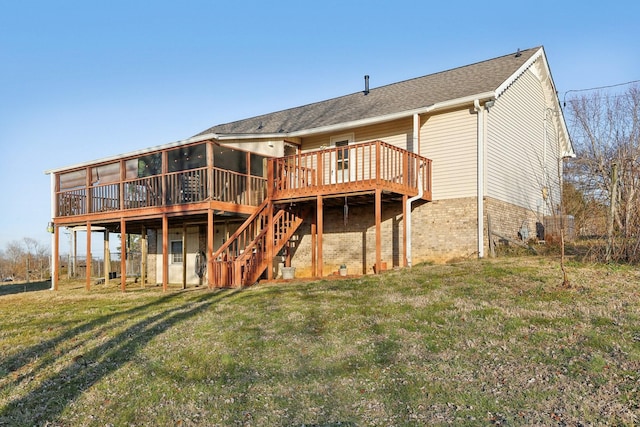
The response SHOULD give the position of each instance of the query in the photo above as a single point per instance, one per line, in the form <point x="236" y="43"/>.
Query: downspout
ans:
<point x="480" y="178"/>
<point x="416" y="149"/>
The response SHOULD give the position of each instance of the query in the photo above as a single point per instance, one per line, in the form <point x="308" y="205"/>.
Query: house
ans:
<point x="384" y="177"/>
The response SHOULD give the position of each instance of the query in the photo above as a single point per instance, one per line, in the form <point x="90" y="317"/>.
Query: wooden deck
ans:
<point x="137" y="192"/>
<point x="354" y="169"/>
<point x="163" y="193"/>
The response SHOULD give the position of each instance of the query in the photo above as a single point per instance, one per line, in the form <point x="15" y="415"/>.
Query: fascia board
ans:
<point x="508" y="82"/>
<point x="135" y="153"/>
<point x="365" y="122"/>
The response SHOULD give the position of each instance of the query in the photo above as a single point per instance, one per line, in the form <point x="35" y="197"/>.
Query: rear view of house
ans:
<point x="379" y="178"/>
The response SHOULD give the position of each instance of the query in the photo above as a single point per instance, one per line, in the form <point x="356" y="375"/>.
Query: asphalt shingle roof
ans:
<point x="481" y="77"/>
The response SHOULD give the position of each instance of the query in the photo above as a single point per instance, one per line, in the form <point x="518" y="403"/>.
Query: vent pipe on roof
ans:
<point x="366" y="85"/>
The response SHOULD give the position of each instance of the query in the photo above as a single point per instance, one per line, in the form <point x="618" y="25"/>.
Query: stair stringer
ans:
<point x="255" y="260"/>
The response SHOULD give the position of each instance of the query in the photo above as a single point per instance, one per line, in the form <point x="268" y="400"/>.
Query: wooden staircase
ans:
<point x="242" y="259"/>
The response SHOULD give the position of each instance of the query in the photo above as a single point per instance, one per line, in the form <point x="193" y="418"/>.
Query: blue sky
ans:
<point x="82" y="80"/>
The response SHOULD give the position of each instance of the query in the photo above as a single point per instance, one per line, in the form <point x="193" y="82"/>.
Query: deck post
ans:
<point x="106" y="256"/>
<point x="378" y="163"/>
<point x="210" y="234"/>
<point x="184" y="256"/>
<point x="73" y="270"/>
<point x="123" y="177"/>
<point x="378" y="229"/>
<point x="271" y="179"/>
<point x="88" y="263"/>
<point x="165" y="252"/>
<point x="210" y="183"/>
<point x="320" y="228"/>
<point x="55" y="271"/>
<point x="123" y="254"/>
<point x="404" y="230"/>
<point x="144" y="249"/>
<point x="314" y="239"/>
<point x="320" y="169"/>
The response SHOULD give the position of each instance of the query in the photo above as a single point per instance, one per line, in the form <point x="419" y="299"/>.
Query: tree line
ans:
<point x="601" y="186"/>
<point x="25" y="260"/>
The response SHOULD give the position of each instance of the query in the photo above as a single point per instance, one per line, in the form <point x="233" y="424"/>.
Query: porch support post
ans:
<point x="165" y="252"/>
<point x="184" y="256"/>
<point x="210" y="234"/>
<point x="107" y="257"/>
<point x="404" y="230"/>
<point x="144" y="253"/>
<point x="123" y="254"/>
<point x="55" y="262"/>
<point x="74" y="258"/>
<point x="378" y="230"/>
<point x="210" y="183"/>
<point x="55" y="236"/>
<point x="88" y="263"/>
<point x="320" y="227"/>
<point x="314" y="240"/>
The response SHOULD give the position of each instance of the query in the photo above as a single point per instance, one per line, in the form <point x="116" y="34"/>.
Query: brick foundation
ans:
<point x="508" y="220"/>
<point x="442" y="231"/>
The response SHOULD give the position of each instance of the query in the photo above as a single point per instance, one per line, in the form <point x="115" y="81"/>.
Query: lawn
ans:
<point x="474" y="342"/>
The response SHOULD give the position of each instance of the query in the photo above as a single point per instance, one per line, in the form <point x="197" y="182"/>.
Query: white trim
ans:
<point x="54" y="277"/>
<point x="500" y="90"/>
<point x="172" y="254"/>
<point x="350" y="139"/>
<point x="480" y="177"/>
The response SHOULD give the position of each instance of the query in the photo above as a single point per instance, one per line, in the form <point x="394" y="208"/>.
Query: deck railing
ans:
<point x="350" y="168"/>
<point x="191" y="186"/>
<point x="244" y="256"/>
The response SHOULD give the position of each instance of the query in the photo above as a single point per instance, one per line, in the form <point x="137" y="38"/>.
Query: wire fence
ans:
<point x="76" y="266"/>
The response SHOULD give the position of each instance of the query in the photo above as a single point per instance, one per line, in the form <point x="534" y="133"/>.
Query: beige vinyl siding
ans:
<point x="449" y="140"/>
<point x="270" y="148"/>
<point x="398" y="133"/>
<point x="515" y="146"/>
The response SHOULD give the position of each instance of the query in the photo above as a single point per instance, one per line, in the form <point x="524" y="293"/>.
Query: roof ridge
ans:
<point x="457" y="68"/>
<point x="346" y="101"/>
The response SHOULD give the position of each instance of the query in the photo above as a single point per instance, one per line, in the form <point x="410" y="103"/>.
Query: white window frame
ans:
<point x="336" y="177"/>
<point x="175" y="257"/>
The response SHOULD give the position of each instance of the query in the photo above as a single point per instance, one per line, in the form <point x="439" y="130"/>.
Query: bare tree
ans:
<point x="28" y="259"/>
<point x="606" y="133"/>
<point x="37" y="256"/>
<point x="14" y="253"/>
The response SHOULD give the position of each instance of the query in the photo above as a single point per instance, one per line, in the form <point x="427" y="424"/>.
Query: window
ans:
<point x="230" y="159"/>
<point x="340" y="171"/>
<point x="176" y="252"/>
<point x="343" y="155"/>
<point x="149" y="165"/>
<point x="105" y="174"/>
<point x="73" y="179"/>
<point x="186" y="158"/>
<point x="257" y="164"/>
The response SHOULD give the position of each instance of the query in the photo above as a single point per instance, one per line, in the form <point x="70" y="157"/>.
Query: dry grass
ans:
<point x="491" y="342"/>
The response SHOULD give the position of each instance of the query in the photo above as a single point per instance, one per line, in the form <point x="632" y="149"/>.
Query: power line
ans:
<point x="564" y="99"/>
